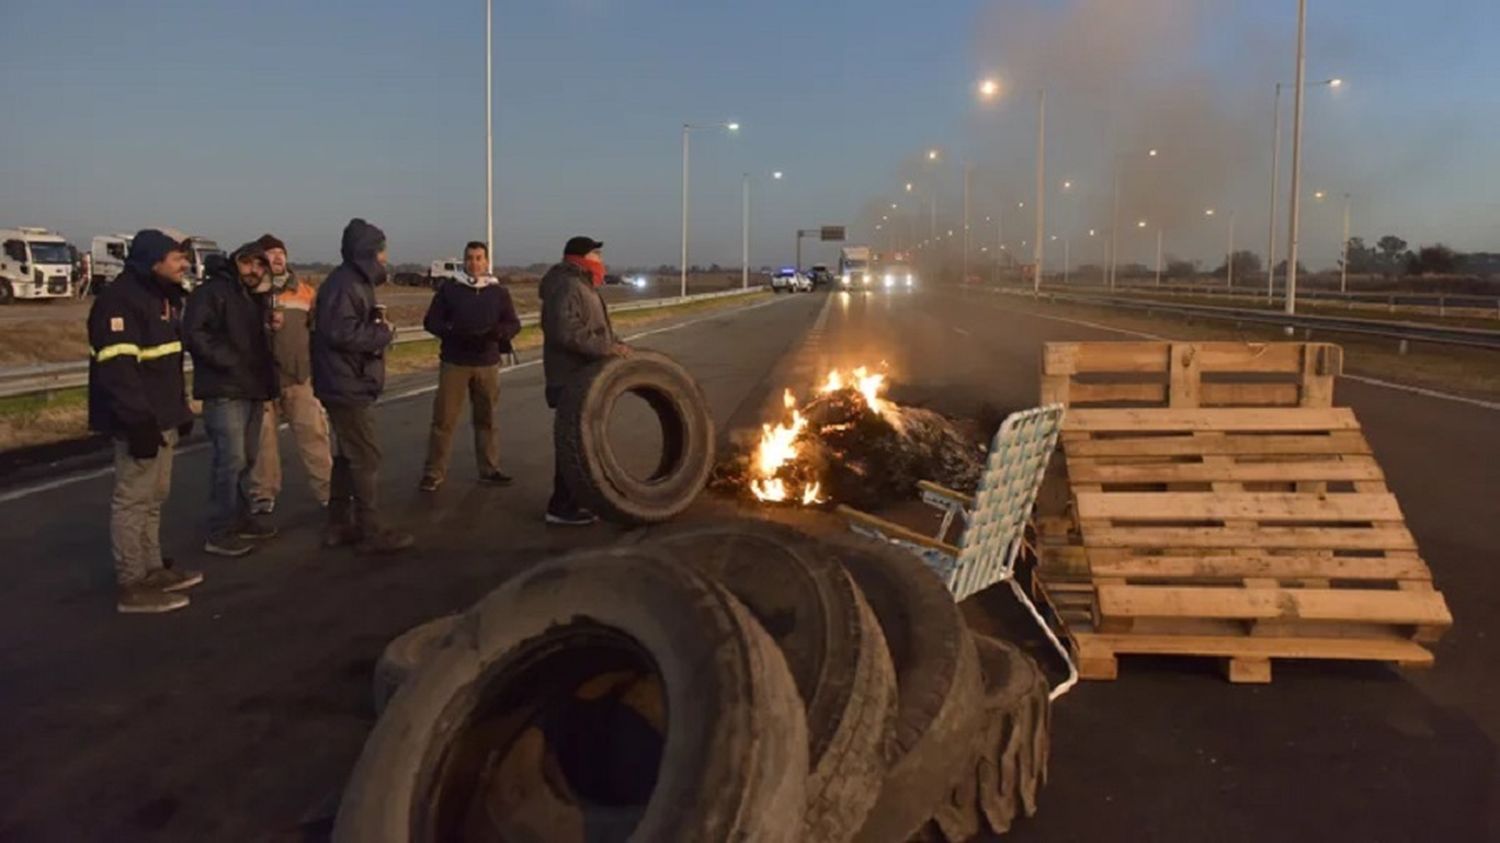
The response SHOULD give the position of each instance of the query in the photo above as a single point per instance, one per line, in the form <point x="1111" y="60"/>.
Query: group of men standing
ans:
<point x="267" y="348"/>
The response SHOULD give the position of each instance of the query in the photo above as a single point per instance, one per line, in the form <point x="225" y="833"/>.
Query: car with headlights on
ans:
<point x="789" y="280"/>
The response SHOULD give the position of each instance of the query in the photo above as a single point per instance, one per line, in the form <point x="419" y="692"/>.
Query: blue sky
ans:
<point x="228" y="119"/>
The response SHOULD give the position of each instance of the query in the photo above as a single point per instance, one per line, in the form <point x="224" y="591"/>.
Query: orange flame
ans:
<point x="779" y="446"/>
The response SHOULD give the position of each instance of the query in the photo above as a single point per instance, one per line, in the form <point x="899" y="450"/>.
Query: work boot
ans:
<point x="384" y="541"/>
<point x="172" y="579"/>
<point x="227" y="543"/>
<point x="496" y="478"/>
<point x="255" y="529"/>
<point x="578" y="517"/>
<point x="140" y="599"/>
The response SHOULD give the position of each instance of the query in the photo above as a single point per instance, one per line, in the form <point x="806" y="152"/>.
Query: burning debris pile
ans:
<point x="850" y="444"/>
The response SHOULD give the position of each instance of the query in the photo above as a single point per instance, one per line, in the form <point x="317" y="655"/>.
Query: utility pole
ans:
<point x="1296" y="213"/>
<point x="745" y="232"/>
<point x="1038" y="249"/>
<point x="968" y="169"/>
<point x="1229" y="262"/>
<point x="682" y="266"/>
<point x="1158" y="256"/>
<point x="1344" y="261"/>
<point x="1275" y="188"/>
<point x="489" y="135"/>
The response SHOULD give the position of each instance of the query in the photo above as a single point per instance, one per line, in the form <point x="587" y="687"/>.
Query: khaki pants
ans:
<point x="481" y="385"/>
<point x="141" y="487"/>
<point x="304" y="415"/>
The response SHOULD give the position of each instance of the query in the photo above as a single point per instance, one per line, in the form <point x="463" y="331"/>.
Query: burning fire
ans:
<point x="779" y="445"/>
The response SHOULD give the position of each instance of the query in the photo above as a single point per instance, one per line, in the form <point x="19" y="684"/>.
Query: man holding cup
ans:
<point x="349" y="340"/>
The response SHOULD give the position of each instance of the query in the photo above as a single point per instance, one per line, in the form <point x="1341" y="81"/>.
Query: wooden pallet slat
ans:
<point x="1388" y="537"/>
<point x="1393" y="607"/>
<point x="1090" y="471"/>
<point x="1255" y="506"/>
<point x="1263" y="419"/>
<point x="1239" y="567"/>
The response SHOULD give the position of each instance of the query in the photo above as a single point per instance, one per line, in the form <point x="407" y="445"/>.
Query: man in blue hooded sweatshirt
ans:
<point x="350" y="336"/>
<point x="137" y="397"/>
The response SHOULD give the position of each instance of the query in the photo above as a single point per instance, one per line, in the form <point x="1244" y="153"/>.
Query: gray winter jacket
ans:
<point x="575" y="325"/>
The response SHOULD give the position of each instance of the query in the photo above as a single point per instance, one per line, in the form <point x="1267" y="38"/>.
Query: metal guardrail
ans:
<point x="1441" y="302"/>
<point x="50" y="377"/>
<point x="1402" y="331"/>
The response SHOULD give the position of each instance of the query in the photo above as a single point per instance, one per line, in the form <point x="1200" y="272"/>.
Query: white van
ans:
<point x="107" y="256"/>
<point x="442" y="270"/>
<point x="34" y="264"/>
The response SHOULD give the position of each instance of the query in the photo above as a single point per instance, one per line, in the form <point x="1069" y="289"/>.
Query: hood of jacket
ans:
<point x="148" y="248"/>
<point x="361" y="243"/>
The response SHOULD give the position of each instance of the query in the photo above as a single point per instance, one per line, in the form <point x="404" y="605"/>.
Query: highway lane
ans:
<point x="1171" y="751"/>
<point x="237" y="717"/>
<point x="232" y="719"/>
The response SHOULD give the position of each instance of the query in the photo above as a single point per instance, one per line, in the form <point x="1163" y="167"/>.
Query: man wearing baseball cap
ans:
<point x="226" y="328"/>
<point x="576" y="332"/>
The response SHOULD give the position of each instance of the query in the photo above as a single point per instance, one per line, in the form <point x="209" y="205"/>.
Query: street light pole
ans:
<point x="1296" y="213"/>
<point x="1275" y="187"/>
<point x="1344" y="261"/>
<point x="489" y="135"/>
<point x="745" y="232"/>
<point x="968" y="169"/>
<point x="1038" y="251"/>
<point x="682" y="265"/>
<point x="1158" y="255"/>
<point x="1229" y="262"/>
<point x="1114" y="225"/>
<point x="1067" y="260"/>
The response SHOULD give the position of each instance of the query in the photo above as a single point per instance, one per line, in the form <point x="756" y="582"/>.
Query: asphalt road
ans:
<point x="238" y="718"/>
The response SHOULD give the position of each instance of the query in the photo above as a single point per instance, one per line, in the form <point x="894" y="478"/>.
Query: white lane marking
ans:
<point x="960" y="331"/>
<point x="1401" y="387"/>
<point x="61" y="482"/>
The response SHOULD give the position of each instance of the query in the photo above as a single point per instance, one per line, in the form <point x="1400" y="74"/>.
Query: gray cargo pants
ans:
<point x="141" y="487"/>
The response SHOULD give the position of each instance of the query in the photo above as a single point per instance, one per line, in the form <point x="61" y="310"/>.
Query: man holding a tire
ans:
<point x="576" y="332"/>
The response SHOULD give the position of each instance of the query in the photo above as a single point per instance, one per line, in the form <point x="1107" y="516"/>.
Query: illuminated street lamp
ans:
<point x="687" y="129"/>
<point x="745" y="228"/>
<point x="989" y="88"/>
<point x="1334" y="83"/>
<point x="1229" y="250"/>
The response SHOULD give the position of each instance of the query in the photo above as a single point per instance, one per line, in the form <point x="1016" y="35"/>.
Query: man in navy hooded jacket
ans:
<point x="350" y="336"/>
<point x="137" y="397"/>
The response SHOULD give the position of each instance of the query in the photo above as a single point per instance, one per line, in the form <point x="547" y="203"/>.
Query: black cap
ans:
<point x="250" y="251"/>
<point x="581" y="246"/>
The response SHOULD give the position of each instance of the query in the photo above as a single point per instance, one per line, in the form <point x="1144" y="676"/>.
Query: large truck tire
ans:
<point x="1007" y="765"/>
<point x="480" y="721"/>
<point x="400" y="657"/>
<point x="938" y="684"/>
<point x="587" y="459"/>
<point x="833" y="645"/>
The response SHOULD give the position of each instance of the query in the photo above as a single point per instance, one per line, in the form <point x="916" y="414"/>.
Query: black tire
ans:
<point x="588" y="462"/>
<point x="833" y="645"/>
<point x="734" y="759"/>
<point x="938" y="683"/>
<point x="402" y="656"/>
<point x="7" y="295"/>
<point x="1007" y="765"/>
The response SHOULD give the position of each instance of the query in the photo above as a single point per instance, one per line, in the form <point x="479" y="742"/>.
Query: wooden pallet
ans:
<point x="1244" y="533"/>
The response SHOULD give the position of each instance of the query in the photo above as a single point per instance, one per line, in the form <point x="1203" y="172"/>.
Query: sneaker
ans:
<point x="140" y="599"/>
<point x="255" y="528"/>
<point x="172" y="579"/>
<point x="385" y="541"/>
<point x="496" y="478"/>
<point x="262" y="506"/>
<point x="227" y="544"/>
<point x="429" y="484"/>
<point x="576" y="518"/>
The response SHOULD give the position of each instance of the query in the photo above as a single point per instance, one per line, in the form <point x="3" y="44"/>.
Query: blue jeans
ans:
<point x="233" y="427"/>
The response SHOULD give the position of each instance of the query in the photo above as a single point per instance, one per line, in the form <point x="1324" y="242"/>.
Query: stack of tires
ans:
<point x="737" y="681"/>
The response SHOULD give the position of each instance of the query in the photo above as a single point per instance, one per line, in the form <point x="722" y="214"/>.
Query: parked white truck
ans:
<point x="107" y="256"/>
<point x="34" y="264"/>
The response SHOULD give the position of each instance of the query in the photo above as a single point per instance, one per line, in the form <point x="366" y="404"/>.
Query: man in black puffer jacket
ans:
<point x="474" y="317"/>
<point x="350" y="336"/>
<point x="226" y="327"/>
<point x="137" y="397"/>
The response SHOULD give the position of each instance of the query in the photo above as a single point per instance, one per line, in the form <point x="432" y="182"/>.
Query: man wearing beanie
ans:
<point x="291" y="347"/>
<point x="576" y="331"/>
<point x="349" y="339"/>
<point x="474" y="318"/>
<point x="137" y="397"/>
<point x="227" y="329"/>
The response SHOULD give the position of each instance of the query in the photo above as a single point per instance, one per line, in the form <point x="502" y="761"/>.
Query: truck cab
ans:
<point x="34" y="264"/>
<point x="854" y="267"/>
<point x="442" y="270"/>
<point x="107" y="256"/>
<point x="199" y="250"/>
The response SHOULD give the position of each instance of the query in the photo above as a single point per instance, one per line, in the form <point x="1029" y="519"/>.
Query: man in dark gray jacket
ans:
<point x="576" y="332"/>
<point x="349" y="339"/>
